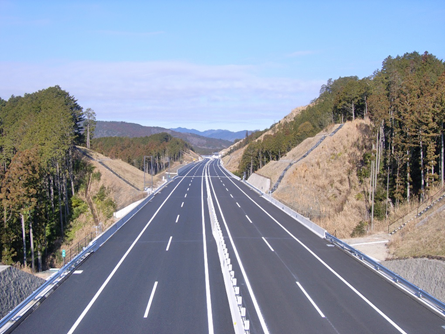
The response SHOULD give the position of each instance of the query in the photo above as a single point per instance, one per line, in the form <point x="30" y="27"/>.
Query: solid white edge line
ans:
<point x="310" y="299"/>
<point x="248" y="219"/>
<point x="151" y="299"/>
<point x="243" y="271"/>
<point x="169" y="242"/>
<point x="206" y="264"/>
<point x="367" y="301"/>
<point x="105" y="283"/>
<point x="268" y="244"/>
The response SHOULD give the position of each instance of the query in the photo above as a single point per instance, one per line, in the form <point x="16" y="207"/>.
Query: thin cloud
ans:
<point x="158" y="93"/>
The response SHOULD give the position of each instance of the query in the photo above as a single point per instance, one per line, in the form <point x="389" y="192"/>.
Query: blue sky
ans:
<point x="229" y="64"/>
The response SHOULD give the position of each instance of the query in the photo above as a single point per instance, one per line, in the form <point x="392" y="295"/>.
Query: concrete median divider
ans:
<point x="241" y="324"/>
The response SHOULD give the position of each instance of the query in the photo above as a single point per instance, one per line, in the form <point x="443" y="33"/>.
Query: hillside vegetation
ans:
<point x="54" y="192"/>
<point x="201" y="144"/>
<point x="162" y="148"/>
<point x="390" y="151"/>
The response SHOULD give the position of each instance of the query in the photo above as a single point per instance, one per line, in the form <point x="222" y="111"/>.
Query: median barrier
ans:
<point x="241" y="324"/>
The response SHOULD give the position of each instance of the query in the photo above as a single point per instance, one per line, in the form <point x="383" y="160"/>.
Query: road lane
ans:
<point x="346" y="310"/>
<point x="179" y="304"/>
<point x="293" y="282"/>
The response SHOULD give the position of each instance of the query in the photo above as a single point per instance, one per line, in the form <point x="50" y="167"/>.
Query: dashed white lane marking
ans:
<point x="188" y="189"/>
<point x="151" y="299"/>
<point x="182" y="204"/>
<point x="227" y="189"/>
<point x="169" y="242"/>
<point x="310" y="299"/>
<point x="248" y="219"/>
<point x="185" y="196"/>
<point x="268" y="244"/>
<point x="177" y="218"/>
<point x="77" y="272"/>
<point x="231" y="195"/>
<point x="237" y="204"/>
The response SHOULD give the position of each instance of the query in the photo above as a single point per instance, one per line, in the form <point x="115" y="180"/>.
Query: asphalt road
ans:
<point x="295" y="282"/>
<point x="160" y="273"/>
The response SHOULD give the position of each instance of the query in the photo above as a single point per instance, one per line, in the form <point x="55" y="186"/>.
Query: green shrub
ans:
<point x="359" y="230"/>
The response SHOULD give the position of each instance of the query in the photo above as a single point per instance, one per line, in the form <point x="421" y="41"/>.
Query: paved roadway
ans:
<point x="160" y="274"/>
<point x="161" y="253"/>
<point x="295" y="282"/>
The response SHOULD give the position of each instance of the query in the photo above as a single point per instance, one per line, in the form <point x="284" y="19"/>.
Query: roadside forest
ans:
<point x="161" y="147"/>
<point x="405" y="101"/>
<point x="40" y="173"/>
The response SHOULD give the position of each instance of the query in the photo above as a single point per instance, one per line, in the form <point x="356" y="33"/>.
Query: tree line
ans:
<point x="162" y="147"/>
<point x="404" y="101"/>
<point x="38" y="172"/>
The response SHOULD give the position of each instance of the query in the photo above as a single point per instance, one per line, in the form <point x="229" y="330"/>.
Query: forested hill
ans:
<point x="405" y="102"/>
<point x="39" y="171"/>
<point x="162" y="147"/>
<point x="217" y="134"/>
<point x="202" y="145"/>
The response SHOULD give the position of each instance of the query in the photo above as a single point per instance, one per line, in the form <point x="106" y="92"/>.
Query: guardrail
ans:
<point x="78" y="247"/>
<point x="319" y="231"/>
<point x="306" y="222"/>
<point x="13" y="318"/>
<point x="402" y="283"/>
<point x="399" y="281"/>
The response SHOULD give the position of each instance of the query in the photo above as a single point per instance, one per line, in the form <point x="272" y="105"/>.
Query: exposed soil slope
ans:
<point x="232" y="161"/>
<point x="324" y="186"/>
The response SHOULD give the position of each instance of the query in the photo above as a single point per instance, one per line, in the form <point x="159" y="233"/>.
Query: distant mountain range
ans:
<point x="217" y="134"/>
<point x="201" y="144"/>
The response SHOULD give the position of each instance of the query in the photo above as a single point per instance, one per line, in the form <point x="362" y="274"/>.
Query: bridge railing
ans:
<point x="400" y="282"/>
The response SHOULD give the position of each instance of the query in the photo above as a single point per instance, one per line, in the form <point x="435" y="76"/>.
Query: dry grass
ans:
<point x="232" y="161"/>
<point x="274" y="169"/>
<point x="422" y="237"/>
<point x="324" y="186"/>
<point x="122" y="193"/>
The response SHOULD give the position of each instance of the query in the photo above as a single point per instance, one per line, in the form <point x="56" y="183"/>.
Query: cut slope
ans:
<point x="233" y="160"/>
<point x="324" y="186"/>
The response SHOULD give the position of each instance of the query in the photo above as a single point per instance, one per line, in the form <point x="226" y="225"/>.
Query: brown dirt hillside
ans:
<point x="324" y="186"/>
<point x="123" y="190"/>
<point x="274" y="169"/>
<point x="232" y="161"/>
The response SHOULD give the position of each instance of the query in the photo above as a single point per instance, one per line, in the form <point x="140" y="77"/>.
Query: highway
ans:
<point x="160" y="273"/>
<point x="295" y="282"/>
